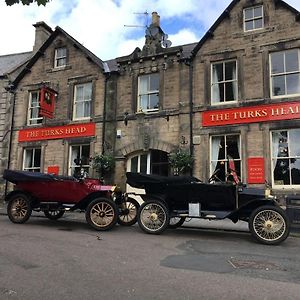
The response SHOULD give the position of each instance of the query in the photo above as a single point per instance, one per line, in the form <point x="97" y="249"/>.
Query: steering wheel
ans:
<point x="214" y="176"/>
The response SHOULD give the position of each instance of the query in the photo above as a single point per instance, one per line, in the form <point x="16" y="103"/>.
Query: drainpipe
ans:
<point x="190" y="63"/>
<point x="11" y="89"/>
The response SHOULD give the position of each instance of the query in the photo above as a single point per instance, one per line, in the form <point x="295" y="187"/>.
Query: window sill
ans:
<point x="147" y="112"/>
<point x="57" y="69"/>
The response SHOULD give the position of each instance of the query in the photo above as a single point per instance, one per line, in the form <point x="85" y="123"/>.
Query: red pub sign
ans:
<point x="47" y="102"/>
<point x="57" y="132"/>
<point x="251" y="114"/>
<point x="256" y="170"/>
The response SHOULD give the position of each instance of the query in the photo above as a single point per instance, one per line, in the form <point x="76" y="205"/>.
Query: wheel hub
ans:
<point x="153" y="217"/>
<point x="101" y="214"/>
<point x="269" y="225"/>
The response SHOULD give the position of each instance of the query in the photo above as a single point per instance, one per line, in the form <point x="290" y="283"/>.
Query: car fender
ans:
<point x="149" y="197"/>
<point x="14" y="192"/>
<point x="83" y="203"/>
<point x="245" y="211"/>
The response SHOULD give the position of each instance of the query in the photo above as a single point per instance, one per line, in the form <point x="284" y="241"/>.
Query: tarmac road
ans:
<point x="66" y="259"/>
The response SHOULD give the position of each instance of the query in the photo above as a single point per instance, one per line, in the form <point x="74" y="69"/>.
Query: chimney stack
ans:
<point x="42" y="32"/>
<point x="155" y="19"/>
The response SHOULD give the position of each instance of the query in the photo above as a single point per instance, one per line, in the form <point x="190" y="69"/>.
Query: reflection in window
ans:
<point x="224" y="82"/>
<point x="224" y="147"/>
<point x="32" y="160"/>
<point x="285" y="73"/>
<point x="286" y="157"/>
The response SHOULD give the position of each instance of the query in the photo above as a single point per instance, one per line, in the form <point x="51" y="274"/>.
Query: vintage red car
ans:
<point x="104" y="205"/>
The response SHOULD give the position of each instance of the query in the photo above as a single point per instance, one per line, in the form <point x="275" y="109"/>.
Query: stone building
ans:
<point x="246" y="87"/>
<point x="234" y="94"/>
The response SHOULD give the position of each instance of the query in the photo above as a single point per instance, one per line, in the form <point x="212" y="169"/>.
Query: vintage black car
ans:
<point x="170" y="200"/>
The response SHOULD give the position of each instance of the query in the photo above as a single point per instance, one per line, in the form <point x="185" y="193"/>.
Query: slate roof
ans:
<point x="11" y="61"/>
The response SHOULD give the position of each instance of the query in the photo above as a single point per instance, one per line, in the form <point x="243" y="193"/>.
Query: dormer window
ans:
<point x="60" y="59"/>
<point x="253" y="18"/>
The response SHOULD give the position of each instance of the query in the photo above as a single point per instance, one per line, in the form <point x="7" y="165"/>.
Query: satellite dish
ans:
<point x="166" y="43"/>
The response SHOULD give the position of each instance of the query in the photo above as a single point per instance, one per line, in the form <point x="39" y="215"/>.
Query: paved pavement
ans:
<point x="226" y="224"/>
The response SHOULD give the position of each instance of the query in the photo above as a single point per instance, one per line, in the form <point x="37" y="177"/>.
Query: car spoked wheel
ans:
<point x="128" y="212"/>
<point x="19" y="208"/>
<point x="269" y="225"/>
<point x="101" y="214"/>
<point x="153" y="217"/>
<point x="176" y="222"/>
<point x="54" y="214"/>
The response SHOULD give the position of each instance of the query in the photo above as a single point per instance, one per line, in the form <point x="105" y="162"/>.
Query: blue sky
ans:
<point x="99" y="24"/>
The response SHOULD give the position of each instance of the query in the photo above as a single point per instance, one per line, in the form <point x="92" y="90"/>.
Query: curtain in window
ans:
<point x="215" y="148"/>
<point x="216" y="87"/>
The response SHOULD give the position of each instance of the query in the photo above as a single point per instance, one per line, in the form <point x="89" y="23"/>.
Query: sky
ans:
<point x="105" y="26"/>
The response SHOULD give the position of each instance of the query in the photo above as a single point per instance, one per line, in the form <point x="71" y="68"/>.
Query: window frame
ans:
<point x="226" y="160"/>
<point x="59" y="58"/>
<point x="149" y="92"/>
<point x="253" y="18"/>
<point x="32" y="168"/>
<point x="289" y="157"/>
<point x="285" y="74"/>
<point x="30" y="119"/>
<point x="223" y="62"/>
<point x="75" y="103"/>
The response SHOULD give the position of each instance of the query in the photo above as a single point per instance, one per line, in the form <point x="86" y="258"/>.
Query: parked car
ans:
<point x="104" y="205"/>
<point x="170" y="200"/>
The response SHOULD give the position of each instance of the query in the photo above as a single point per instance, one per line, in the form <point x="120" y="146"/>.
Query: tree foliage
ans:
<point x="181" y="160"/>
<point x="26" y="2"/>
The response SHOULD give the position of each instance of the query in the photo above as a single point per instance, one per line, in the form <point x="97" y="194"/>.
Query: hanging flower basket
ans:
<point x="103" y="164"/>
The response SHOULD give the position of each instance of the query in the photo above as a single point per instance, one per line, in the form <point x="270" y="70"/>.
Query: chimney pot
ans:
<point x="155" y="19"/>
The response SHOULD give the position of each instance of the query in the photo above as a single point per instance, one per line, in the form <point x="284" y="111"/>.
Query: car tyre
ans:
<point x="128" y="212"/>
<point x="54" y="214"/>
<point x="153" y="217"/>
<point x="269" y="225"/>
<point x="19" y="208"/>
<point x="101" y="214"/>
<point x="176" y="222"/>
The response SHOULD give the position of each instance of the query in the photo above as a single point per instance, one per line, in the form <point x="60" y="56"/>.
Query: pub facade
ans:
<point x="233" y="95"/>
<point x="246" y="95"/>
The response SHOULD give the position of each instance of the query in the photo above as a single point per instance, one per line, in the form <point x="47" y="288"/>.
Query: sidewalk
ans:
<point x="226" y="224"/>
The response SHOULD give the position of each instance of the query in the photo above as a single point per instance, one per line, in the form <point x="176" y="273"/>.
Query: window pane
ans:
<point x="143" y="84"/>
<point x="217" y="73"/>
<point x="295" y="171"/>
<point x="279" y="85"/>
<point x="281" y="172"/>
<point x="134" y="164"/>
<point x="233" y="146"/>
<point x="249" y="25"/>
<point x="143" y="164"/>
<point x="153" y="99"/>
<point x="85" y="154"/>
<point x="37" y="158"/>
<point x="258" y="23"/>
<point x="80" y="110"/>
<point x="87" y="109"/>
<point x="230" y="70"/>
<point x="144" y="102"/>
<point x="28" y="158"/>
<point x="79" y="92"/>
<point x="248" y="13"/>
<point x="291" y="61"/>
<point x="229" y="93"/>
<point x="154" y="82"/>
<point x="87" y="91"/>
<point x="294" y="145"/>
<point x="277" y="61"/>
<point x="293" y="83"/>
<point x="257" y="11"/>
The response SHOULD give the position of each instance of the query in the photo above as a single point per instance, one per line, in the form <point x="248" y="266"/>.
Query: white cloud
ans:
<point x="99" y="24"/>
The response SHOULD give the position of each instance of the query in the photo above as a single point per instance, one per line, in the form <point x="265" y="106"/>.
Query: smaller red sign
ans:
<point x="53" y="170"/>
<point x="256" y="170"/>
<point x="47" y="102"/>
